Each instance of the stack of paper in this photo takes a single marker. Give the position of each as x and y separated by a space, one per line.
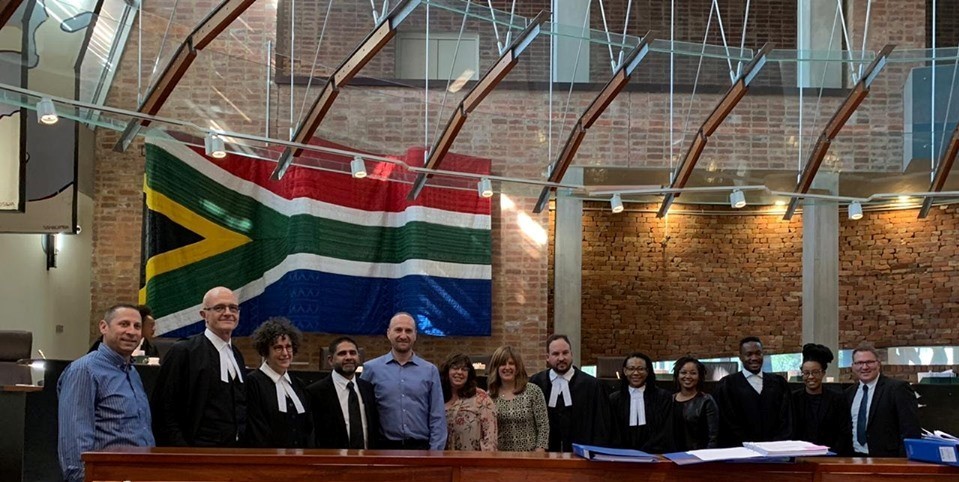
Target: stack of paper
787 448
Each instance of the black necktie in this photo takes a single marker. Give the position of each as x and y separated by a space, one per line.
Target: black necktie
863 415
356 419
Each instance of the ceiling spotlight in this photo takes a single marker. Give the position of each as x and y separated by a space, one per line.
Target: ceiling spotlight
780 203
358 167
855 210
903 199
737 199
47 112
214 146
616 203
484 187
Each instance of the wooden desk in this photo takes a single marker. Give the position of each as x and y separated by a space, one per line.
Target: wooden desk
255 465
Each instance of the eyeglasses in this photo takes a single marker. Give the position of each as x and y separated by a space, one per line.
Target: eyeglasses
634 369
222 308
812 373
865 363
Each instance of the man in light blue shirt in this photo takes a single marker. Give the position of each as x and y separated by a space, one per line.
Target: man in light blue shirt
101 398
409 396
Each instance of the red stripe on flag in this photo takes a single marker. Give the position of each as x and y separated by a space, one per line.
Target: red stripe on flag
368 194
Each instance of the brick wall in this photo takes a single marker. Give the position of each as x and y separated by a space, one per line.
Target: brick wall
718 278
899 278
690 284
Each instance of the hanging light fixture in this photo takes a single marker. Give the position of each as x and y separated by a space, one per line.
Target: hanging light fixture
855 210
214 146
737 199
358 167
616 203
47 112
484 187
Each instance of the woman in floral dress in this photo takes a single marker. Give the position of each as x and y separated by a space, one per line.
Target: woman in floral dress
470 412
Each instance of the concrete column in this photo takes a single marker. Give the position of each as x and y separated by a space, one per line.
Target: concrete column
570 54
818 36
820 276
568 267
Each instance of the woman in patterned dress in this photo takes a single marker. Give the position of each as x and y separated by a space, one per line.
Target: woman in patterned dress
470 412
520 406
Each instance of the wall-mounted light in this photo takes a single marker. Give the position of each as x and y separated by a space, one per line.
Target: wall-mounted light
358 167
51 243
616 203
855 210
214 146
484 187
47 112
737 199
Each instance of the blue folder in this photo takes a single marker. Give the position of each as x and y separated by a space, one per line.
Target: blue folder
935 450
609 454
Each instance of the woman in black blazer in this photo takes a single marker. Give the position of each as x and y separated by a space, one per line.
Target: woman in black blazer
695 414
820 415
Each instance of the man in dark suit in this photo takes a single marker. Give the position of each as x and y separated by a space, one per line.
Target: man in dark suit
336 409
199 399
884 411
754 406
576 402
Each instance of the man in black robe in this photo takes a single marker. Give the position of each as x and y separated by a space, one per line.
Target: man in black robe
754 406
577 403
199 399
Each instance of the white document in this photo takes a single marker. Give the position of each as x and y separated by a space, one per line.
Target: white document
735 453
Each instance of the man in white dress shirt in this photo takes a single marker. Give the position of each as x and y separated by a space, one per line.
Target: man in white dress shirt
343 404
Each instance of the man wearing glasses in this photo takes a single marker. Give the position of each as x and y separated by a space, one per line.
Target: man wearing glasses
884 411
200 399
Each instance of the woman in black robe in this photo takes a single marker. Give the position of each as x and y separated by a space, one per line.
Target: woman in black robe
277 410
647 433
820 415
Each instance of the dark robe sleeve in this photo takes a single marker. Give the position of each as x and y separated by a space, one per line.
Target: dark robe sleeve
731 430
601 426
907 412
169 403
258 432
785 430
843 441
617 435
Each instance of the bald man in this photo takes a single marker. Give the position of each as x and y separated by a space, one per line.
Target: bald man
200 399
409 397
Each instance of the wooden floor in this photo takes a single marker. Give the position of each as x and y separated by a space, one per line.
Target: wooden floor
188 464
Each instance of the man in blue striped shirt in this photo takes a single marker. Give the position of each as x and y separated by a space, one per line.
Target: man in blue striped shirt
101 398
409 396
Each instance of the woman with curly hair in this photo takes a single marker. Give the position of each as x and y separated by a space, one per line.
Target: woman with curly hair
277 410
470 412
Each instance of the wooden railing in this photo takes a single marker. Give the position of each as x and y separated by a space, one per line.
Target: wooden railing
256 465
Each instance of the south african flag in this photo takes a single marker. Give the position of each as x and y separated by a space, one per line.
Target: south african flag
331 253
